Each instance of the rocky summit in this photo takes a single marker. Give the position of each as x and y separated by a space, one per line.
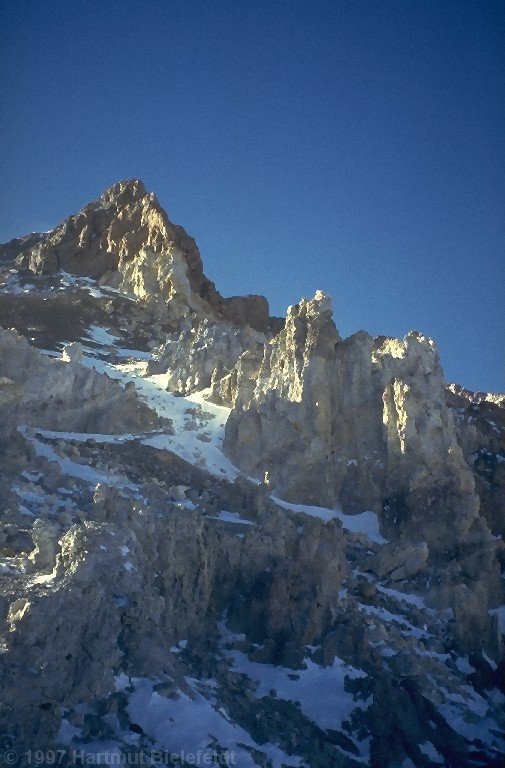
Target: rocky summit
233 539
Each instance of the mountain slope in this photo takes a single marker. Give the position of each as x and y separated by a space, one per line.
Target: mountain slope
230 539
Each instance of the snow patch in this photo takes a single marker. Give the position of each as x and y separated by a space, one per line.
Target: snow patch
230 517
101 336
187 724
404 597
366 523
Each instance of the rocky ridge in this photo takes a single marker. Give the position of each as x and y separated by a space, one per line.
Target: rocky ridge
146 580
361 422
126 240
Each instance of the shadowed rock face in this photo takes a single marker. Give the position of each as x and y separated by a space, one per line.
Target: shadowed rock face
480 423
64 395
247 310
177 577
126 239
11 250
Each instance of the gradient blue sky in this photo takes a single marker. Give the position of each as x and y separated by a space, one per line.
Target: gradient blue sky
353 146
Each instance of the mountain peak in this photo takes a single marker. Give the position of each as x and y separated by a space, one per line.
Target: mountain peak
126 238
128 189
197 492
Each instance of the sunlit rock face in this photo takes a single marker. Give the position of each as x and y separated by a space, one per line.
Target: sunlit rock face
126 239
362 422
195 358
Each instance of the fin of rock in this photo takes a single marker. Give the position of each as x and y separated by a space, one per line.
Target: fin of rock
361 421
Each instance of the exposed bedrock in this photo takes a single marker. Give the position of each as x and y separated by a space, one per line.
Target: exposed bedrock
11 250
64 395
121 559
362 422
118 589
126 240
195 358
480 424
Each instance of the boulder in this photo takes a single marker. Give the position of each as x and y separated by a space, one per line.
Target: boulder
72 353
399 561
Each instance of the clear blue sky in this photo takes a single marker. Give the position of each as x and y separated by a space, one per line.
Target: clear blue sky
352 146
